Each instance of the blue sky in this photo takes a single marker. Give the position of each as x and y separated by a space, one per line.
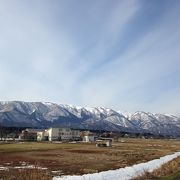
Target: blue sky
122 54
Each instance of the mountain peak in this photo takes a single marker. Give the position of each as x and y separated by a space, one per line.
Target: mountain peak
43 114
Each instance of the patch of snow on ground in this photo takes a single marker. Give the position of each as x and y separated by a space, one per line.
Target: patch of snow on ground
3 168
126 173
29 167
6 168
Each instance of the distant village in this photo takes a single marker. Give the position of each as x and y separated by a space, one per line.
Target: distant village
67 134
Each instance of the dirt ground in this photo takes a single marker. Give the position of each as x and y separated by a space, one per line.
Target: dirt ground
81 158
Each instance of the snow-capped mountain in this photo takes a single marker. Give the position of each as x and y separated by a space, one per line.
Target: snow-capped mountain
45 114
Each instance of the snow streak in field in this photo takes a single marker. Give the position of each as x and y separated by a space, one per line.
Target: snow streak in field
126 173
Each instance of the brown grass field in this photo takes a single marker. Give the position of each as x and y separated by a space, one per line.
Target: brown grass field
79 158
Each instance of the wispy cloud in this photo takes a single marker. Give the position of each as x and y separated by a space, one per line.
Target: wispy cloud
120 54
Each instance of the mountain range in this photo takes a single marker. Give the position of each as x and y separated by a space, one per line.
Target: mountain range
45 114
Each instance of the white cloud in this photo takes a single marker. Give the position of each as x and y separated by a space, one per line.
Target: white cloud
59 52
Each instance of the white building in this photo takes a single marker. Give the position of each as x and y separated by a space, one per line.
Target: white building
89 138
43 135
58 134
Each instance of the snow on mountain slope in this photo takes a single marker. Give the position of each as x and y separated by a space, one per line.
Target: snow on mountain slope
156 123
143 119
41 114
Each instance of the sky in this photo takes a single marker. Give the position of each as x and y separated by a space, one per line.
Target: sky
121 54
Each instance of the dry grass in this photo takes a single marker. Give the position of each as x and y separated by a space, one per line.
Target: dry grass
84 158
25 174
168 171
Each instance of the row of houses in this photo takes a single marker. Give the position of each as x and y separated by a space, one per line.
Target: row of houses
57 134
